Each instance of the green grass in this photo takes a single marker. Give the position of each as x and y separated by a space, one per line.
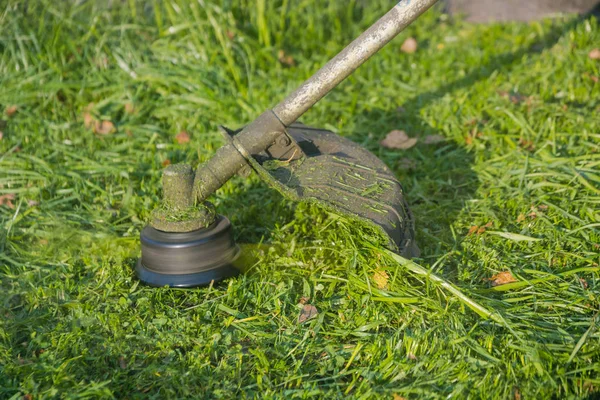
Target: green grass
520 111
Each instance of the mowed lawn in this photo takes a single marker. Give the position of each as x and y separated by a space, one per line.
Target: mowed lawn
98 96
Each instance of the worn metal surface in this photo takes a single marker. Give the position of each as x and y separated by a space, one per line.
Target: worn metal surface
178 211
339 175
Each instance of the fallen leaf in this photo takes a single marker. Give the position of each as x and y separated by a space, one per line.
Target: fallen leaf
594 54
381 278
473 229
104 127
441 46
521 218
398 397
129 109
88 120
1 135
122 363
6 200
166 163
398 140
483 228
434 139
412 357
304 300
33 203
230 35
28 396
10 111
182 137
595 79
285 59
583 283
502 278
526 144
409 46
308 311
517 393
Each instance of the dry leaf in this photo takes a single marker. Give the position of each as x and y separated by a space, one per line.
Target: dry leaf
583 283
398 397
526 144
517 393
521 218
166 163
285 59
6 200
88 120
409 46
129 109
230 35
434 139
412 357
10 111
381 278
594 54
182 137
304 300
28 396
441 46
308 311
398 140
502 278
104 127
473 229
122 363
33 203
1 135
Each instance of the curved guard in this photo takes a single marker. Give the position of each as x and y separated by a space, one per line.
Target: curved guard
339 175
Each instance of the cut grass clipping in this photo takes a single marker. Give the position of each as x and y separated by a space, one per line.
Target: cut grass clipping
97 97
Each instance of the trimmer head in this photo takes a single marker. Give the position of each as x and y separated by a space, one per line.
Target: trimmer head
188 259
187 244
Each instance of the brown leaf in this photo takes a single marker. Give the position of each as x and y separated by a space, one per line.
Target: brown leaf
166 163
33 203
6 200
434 139
517 393
104 127
10 111
285 59
88 120
398 140
304 300
308 311
521 218
381 278
230 35
129 108
412 357
473 229
122 363
583 283
594 54
28 396
182 137
409 46
502 278
526 144
398 397
1 135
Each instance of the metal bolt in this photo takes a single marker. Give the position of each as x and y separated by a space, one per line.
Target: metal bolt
178 186
283 141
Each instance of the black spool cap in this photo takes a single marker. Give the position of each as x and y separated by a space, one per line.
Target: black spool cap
189 259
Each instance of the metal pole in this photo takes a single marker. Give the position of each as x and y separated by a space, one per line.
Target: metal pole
352 57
